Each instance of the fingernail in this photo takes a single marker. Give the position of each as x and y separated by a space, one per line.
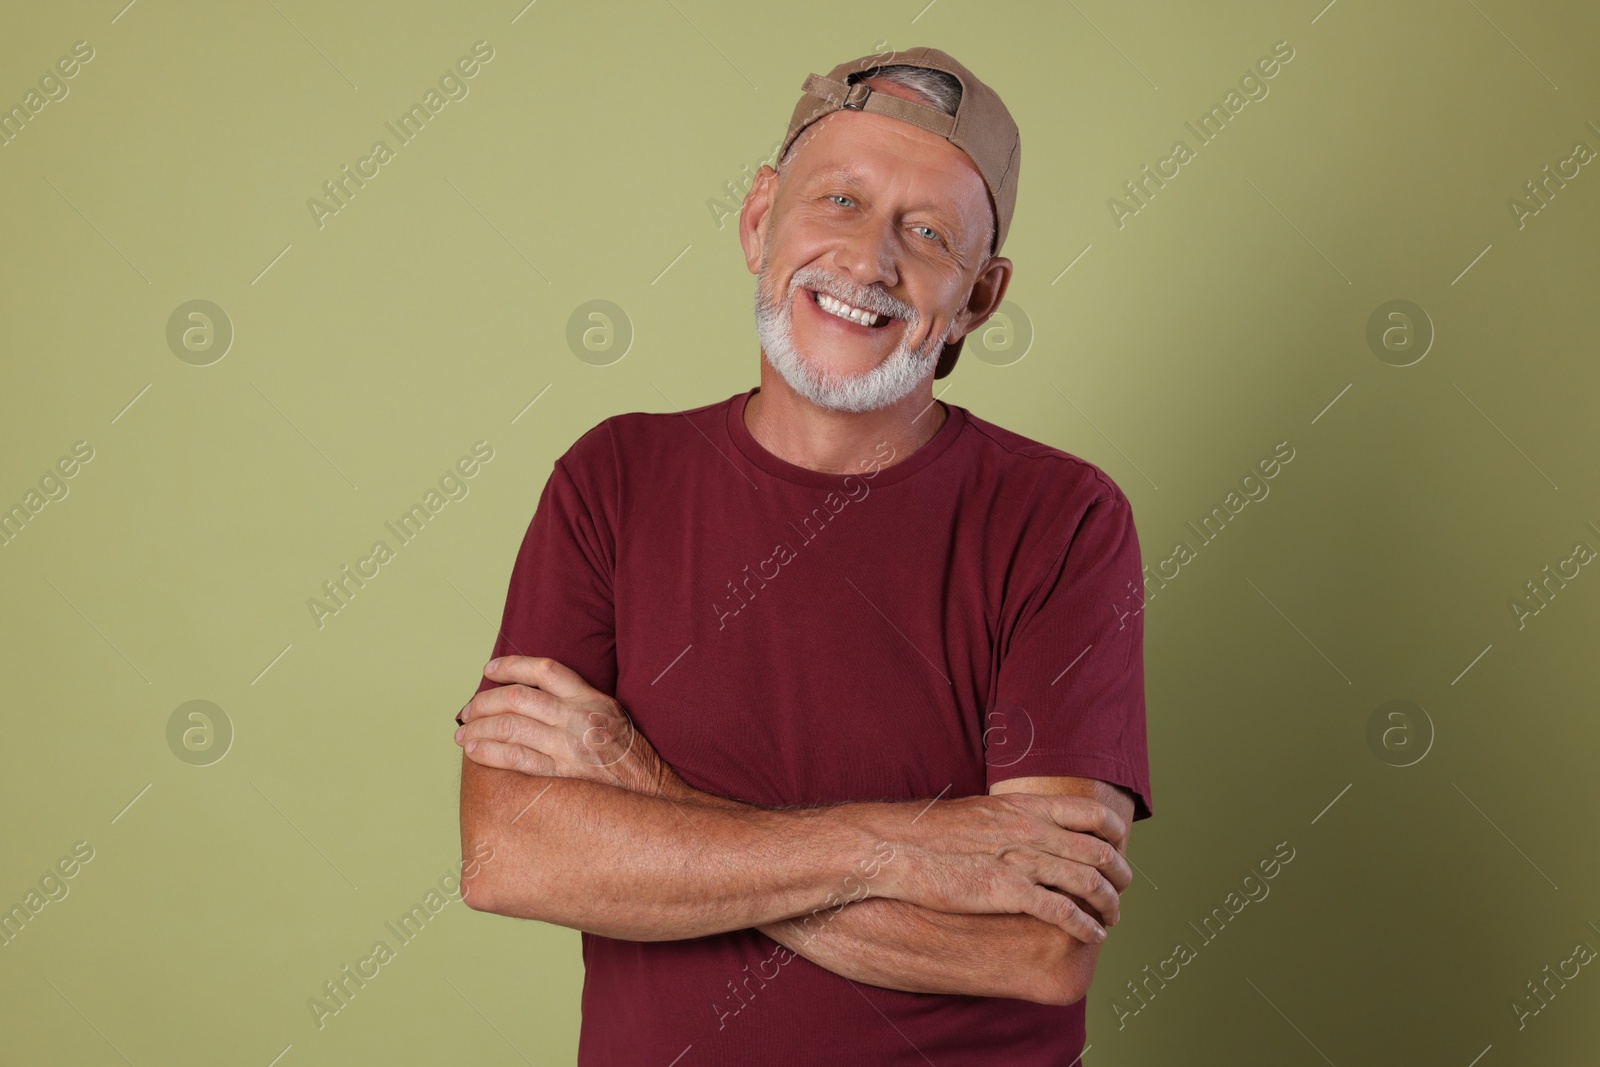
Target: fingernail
472 745
460 732
491 666
1100 933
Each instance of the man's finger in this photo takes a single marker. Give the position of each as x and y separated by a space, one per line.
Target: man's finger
1082 882
1082 814
518 699
1088 849
541 672
508 757
1059 909
1094 852
514 730
1087 816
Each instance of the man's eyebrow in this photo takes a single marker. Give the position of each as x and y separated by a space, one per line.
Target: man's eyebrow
950 218
836 173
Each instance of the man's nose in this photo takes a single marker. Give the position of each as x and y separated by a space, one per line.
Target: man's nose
867 253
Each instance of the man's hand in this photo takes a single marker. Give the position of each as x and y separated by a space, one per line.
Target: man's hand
1003 853
547 721
969 855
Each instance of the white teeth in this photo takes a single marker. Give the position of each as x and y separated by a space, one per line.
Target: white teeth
845 311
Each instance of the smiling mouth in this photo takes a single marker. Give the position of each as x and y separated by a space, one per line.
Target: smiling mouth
840 310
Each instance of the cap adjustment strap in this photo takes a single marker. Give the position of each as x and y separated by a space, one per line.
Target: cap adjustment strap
860 97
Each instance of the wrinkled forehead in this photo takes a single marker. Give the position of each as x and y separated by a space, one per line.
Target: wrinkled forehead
882 154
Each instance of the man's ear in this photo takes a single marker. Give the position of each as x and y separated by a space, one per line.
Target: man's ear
754 215
987 293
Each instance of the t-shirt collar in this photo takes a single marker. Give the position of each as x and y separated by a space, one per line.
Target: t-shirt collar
903 466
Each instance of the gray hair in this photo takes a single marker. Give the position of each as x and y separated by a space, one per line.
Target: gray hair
935 88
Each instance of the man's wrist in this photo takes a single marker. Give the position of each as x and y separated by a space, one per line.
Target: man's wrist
660 780
882 828
676 789
854 831
847 833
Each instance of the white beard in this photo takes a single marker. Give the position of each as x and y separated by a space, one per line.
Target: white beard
892 380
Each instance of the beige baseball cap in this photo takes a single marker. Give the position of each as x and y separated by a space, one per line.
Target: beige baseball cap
981 127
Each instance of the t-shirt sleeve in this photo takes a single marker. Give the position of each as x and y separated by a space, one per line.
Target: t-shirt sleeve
558 602
1069 699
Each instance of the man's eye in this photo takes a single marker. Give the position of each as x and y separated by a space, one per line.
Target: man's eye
933 235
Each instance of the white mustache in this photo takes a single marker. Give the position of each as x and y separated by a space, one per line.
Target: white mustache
867 300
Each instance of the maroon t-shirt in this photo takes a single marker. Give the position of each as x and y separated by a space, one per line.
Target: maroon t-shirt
927 627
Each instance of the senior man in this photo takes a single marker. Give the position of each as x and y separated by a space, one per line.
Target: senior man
820 710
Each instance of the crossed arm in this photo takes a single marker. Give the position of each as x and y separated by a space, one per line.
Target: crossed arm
604 837
900 945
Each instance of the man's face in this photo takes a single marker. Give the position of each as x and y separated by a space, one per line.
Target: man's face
886 217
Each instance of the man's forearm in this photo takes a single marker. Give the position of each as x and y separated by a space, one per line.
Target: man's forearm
899 945
645 868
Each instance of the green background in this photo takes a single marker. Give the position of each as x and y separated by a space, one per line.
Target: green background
1228 315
